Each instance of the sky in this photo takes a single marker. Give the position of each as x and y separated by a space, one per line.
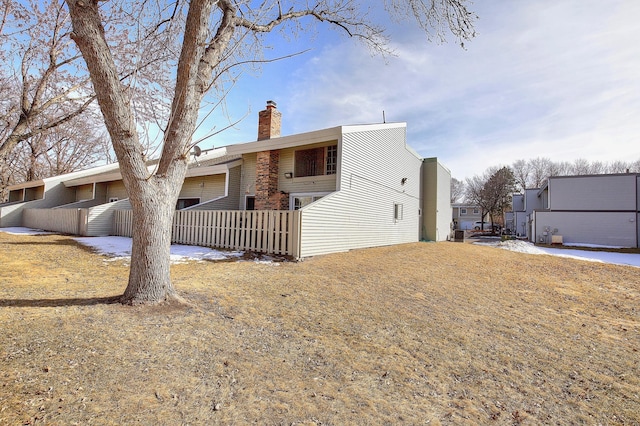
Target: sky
119 248
551 78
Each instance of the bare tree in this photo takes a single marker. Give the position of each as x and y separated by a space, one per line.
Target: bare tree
534 173
522 173
541 169
217 37
562 168
64 149
492 191
47 87
7 175
44 83
457 190
475 192
499 190
618 167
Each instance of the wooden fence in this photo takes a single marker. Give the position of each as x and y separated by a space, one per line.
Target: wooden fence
66 221
264 231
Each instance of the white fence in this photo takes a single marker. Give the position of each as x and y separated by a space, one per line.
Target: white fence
265 231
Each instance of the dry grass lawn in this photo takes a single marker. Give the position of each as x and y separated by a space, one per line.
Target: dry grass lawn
422 333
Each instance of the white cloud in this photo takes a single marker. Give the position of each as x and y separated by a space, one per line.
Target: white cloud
554 79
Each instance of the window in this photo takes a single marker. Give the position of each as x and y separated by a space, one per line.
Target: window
332 159
316 161
476 211
397 212
183 203
250 202
463 211
298 201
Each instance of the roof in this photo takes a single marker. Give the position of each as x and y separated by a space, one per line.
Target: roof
195 169
308 138
87 172
224 157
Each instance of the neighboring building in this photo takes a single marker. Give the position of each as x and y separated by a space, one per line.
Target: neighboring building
517 221
355 186
464 215
436 198
594 209
43 193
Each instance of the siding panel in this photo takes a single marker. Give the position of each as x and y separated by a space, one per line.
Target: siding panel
361 214
100 218
117 190
602 228
205 188
598 193
229 202
248 183
84 192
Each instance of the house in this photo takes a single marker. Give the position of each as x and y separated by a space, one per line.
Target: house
464 215
522 206
591 209
43 194
353 186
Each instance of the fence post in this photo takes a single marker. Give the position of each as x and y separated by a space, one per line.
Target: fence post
83 222
297 231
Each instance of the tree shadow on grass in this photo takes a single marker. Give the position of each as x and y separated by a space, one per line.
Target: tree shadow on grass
58 242
55 303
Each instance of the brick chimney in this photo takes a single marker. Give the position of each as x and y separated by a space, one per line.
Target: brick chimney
268 196
269 122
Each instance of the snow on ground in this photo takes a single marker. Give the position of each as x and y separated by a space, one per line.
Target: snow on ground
19 230
632 259
120 248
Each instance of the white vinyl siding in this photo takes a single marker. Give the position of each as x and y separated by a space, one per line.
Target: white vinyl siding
371 165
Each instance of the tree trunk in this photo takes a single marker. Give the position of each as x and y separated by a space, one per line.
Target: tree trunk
152 196
149 277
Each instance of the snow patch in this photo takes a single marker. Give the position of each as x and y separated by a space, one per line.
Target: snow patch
120 248
631 259
19 230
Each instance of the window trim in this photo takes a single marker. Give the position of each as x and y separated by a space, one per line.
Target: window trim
293 196
398 212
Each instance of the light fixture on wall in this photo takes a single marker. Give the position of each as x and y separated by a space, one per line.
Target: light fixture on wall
288 175
403 181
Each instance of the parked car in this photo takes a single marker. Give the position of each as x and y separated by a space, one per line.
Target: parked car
485 226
